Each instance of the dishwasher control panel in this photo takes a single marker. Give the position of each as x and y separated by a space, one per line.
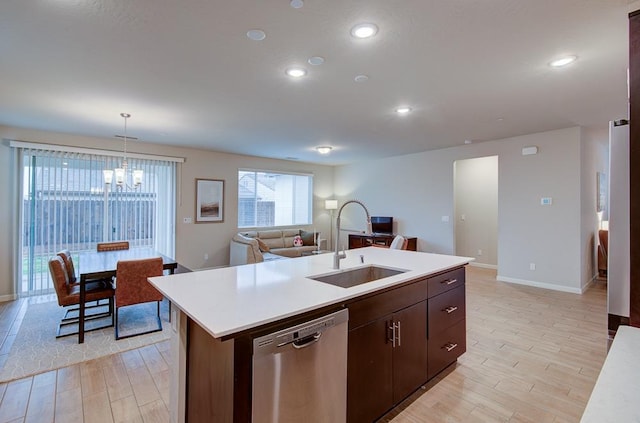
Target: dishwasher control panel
302 331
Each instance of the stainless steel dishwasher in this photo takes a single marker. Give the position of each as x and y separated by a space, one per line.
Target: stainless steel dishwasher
300 373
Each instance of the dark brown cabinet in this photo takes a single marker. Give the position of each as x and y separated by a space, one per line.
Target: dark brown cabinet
359 241
446 320
387 361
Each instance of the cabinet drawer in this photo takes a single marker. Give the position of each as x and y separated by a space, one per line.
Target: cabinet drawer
445 281
446 309
445 347
374 307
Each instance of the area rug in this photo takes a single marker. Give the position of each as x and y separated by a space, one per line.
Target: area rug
36 349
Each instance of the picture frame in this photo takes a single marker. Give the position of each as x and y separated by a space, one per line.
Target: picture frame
601 191
209 200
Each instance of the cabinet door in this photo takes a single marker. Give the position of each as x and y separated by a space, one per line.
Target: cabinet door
410 352
355 241
369 378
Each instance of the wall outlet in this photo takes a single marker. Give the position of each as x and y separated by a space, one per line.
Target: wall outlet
186 220
206 256
479 252
445 218
532 266
546 201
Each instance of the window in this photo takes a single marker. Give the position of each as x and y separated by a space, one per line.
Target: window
66 205
268 199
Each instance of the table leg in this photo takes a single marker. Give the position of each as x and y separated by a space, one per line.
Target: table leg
81 311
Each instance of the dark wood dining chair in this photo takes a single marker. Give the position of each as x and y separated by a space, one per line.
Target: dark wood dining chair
112 246
133 288
69 295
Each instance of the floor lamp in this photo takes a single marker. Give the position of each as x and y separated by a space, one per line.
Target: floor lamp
331 205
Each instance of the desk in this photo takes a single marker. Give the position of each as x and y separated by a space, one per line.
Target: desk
93 265
363 240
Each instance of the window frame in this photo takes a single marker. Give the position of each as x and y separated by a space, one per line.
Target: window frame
255 225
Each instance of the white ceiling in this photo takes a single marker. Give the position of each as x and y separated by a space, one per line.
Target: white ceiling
188 75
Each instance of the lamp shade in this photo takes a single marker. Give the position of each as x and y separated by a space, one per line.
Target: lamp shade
120 175
108 176
331 204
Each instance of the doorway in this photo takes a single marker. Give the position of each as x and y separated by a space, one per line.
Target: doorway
475 186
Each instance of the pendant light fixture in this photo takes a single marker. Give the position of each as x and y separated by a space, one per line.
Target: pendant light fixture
121 172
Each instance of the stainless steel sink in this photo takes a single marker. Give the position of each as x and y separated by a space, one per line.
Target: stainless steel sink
352 277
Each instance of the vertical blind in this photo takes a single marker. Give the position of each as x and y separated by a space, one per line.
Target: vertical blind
66 205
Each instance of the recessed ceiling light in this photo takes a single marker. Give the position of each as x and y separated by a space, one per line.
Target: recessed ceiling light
324 149
296 72
564 61
296 4
361 78
364 30
403 110
316 60
256 34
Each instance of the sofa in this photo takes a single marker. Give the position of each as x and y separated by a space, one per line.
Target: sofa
274 244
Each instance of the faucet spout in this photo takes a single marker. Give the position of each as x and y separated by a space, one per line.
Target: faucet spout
337 256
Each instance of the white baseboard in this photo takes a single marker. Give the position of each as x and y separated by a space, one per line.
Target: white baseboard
539 284
10 297
483 265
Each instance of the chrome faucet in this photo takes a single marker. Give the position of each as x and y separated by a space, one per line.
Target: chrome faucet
337 256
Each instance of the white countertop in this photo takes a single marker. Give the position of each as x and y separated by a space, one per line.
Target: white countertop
228 300
616 396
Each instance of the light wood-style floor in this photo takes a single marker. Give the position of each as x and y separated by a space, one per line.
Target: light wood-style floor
533 355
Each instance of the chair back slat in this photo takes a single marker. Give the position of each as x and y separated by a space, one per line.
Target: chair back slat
60 278
112 246
68 264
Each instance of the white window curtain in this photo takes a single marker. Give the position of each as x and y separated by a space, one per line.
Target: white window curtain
66 205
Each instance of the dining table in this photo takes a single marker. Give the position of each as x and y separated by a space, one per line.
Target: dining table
93 265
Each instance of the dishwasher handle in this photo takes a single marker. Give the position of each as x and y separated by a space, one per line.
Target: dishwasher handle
307 341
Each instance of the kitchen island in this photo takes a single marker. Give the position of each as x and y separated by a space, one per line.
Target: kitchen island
217 313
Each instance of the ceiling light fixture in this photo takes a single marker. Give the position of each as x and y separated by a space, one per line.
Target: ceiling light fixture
364 30
316 60
256 34
361 78
403 110
564 61
121 172
296 72
324 149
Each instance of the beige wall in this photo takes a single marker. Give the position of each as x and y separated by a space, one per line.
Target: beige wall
193 241
417 190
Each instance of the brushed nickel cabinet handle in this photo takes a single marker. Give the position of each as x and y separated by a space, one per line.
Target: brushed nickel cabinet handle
449 281
399 333
392 328
450 347
450 309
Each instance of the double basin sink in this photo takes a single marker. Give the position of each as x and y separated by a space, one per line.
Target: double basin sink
353 277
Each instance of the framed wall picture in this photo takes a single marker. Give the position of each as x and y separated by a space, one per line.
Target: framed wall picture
601 188
209 200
